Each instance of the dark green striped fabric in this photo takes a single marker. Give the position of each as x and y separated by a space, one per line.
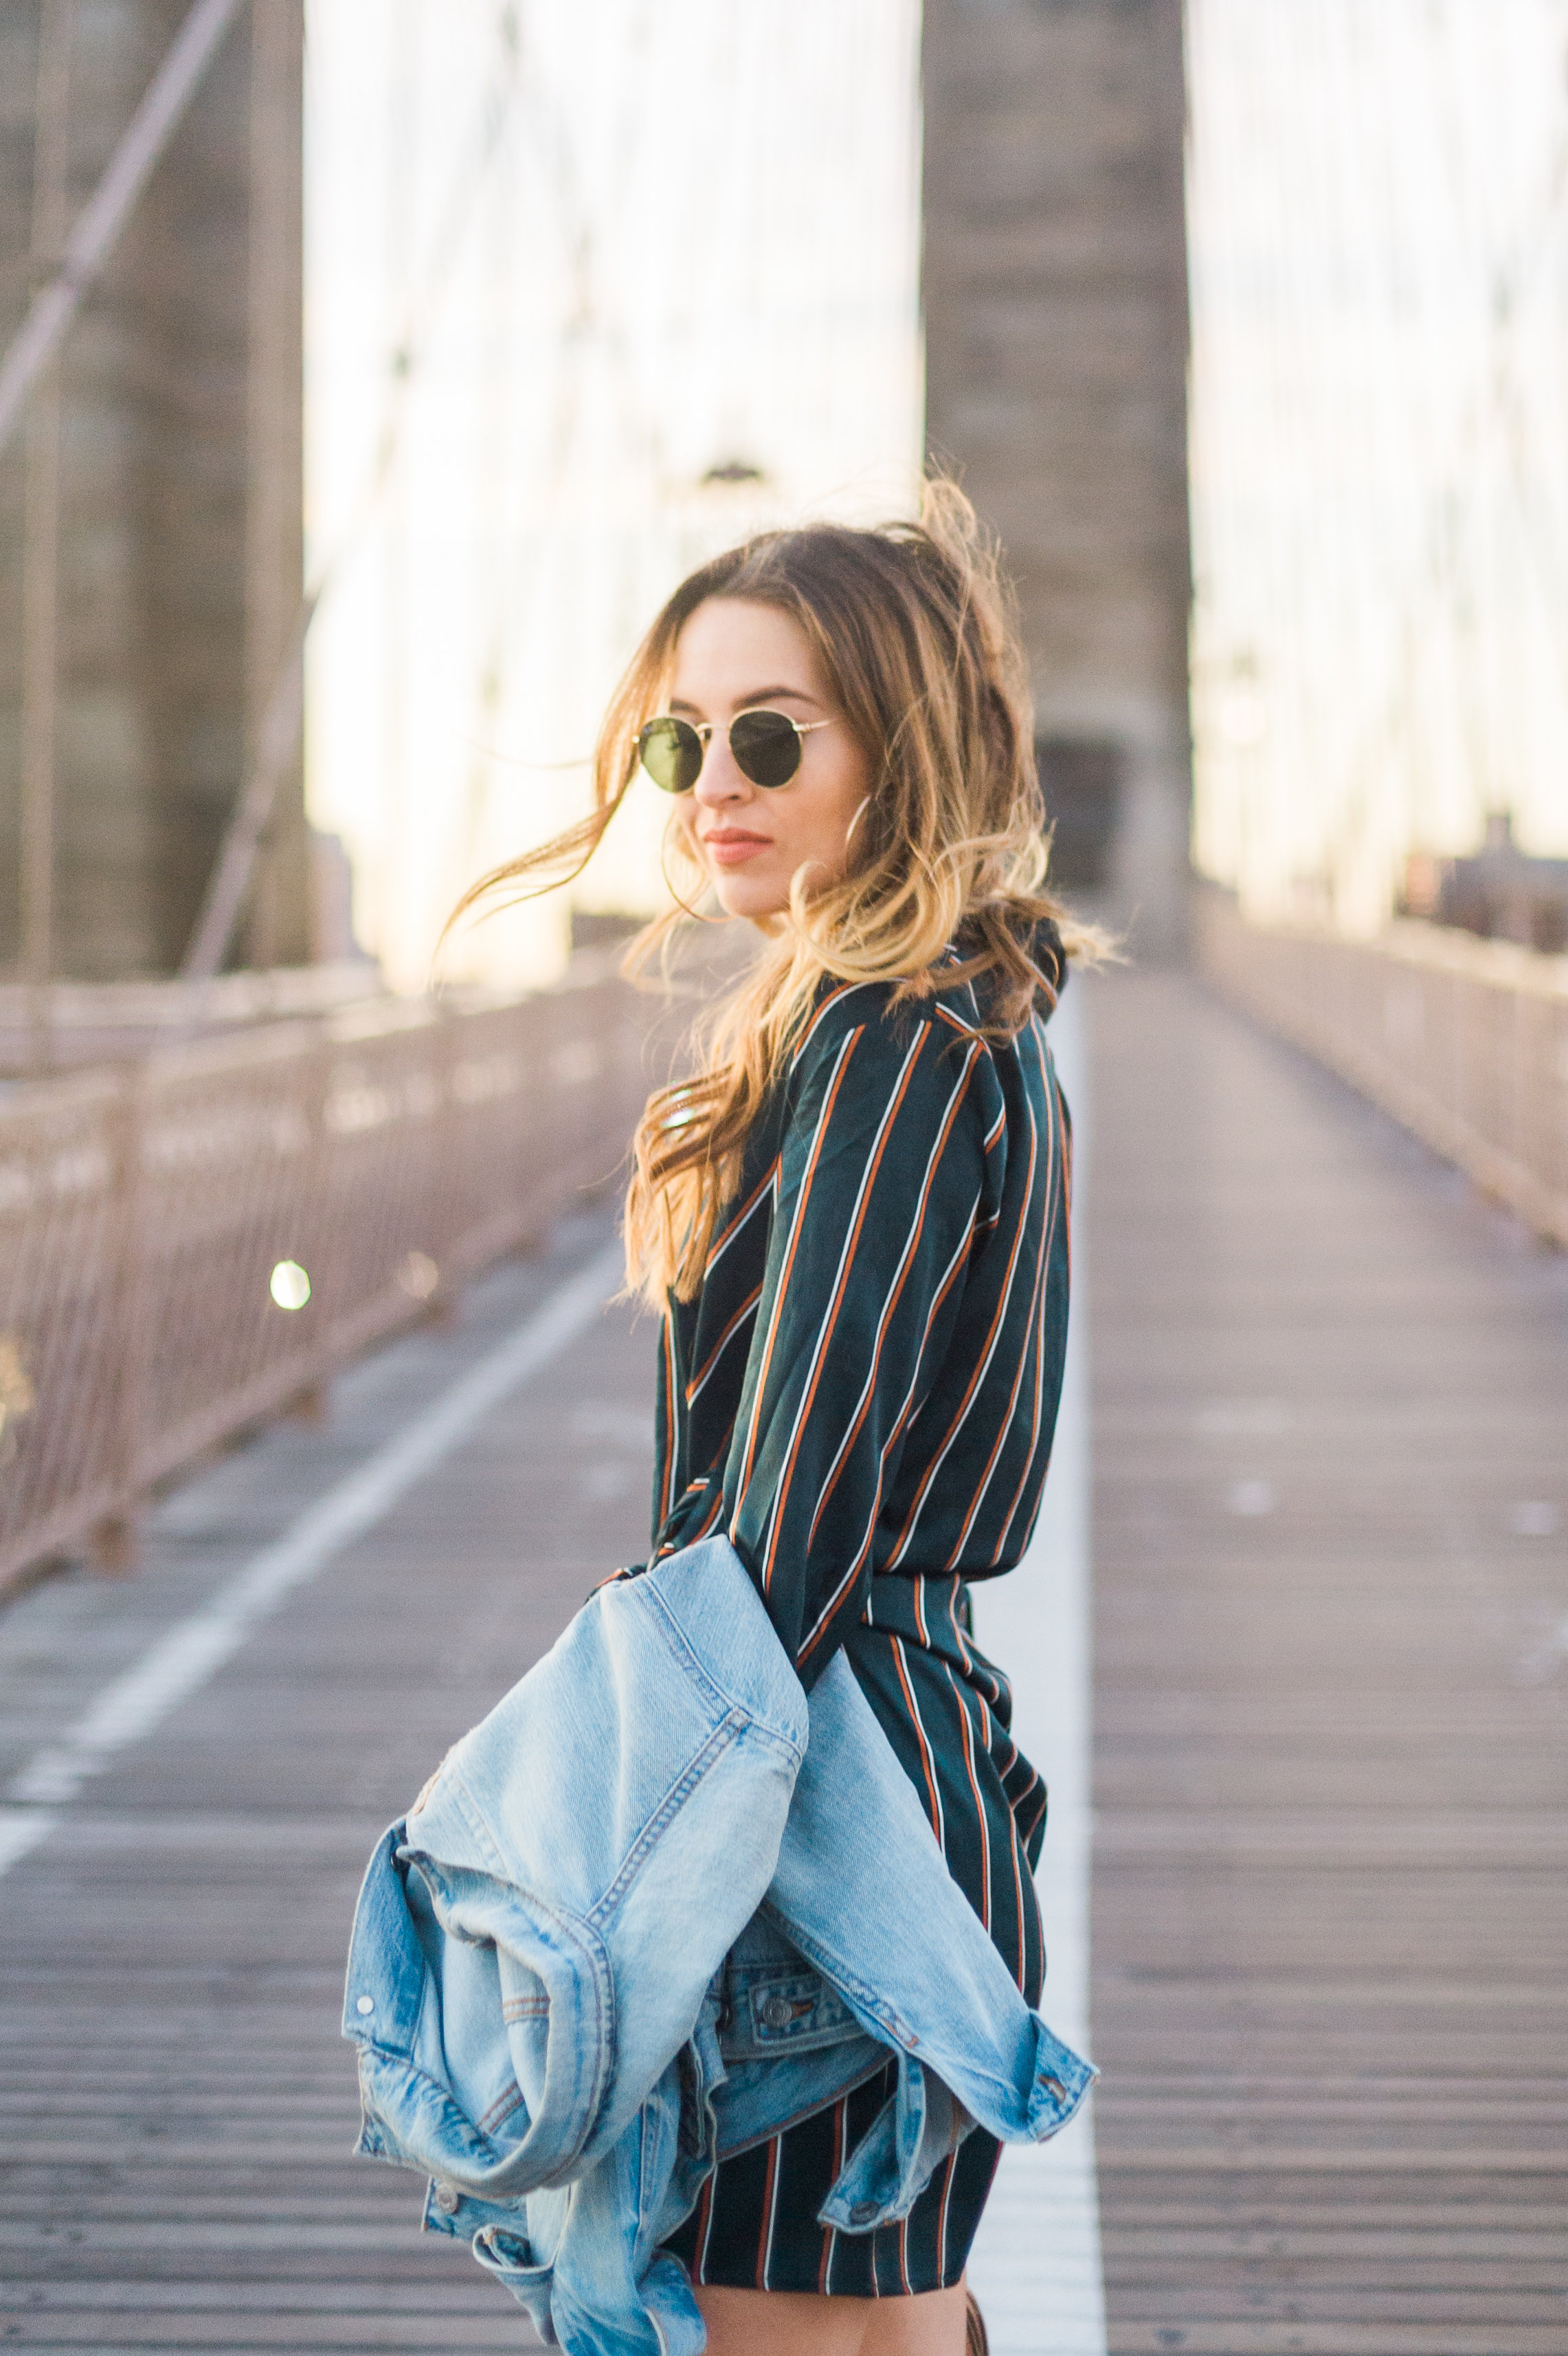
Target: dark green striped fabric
862 1396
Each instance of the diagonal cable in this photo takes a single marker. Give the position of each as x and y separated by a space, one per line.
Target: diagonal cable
277 736
97 231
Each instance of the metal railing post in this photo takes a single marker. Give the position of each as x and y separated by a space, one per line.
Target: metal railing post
113 1539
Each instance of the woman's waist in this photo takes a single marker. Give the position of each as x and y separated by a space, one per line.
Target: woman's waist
926 1608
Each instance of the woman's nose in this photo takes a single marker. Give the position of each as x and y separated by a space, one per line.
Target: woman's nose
721 781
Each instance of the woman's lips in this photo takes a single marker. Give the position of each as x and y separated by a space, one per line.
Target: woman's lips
734 849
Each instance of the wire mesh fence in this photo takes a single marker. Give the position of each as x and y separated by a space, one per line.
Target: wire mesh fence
1464 1041
190 1241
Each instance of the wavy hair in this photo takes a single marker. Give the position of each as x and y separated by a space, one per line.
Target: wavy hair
914 627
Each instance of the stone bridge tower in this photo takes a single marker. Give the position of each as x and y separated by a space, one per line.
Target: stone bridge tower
150 511
1056 319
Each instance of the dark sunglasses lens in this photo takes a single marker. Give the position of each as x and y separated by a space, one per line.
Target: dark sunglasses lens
766 745
671 752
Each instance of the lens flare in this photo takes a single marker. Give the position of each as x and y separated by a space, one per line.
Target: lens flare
418 1275
290 1286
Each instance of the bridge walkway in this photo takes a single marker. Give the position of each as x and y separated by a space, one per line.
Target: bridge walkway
1329 1392
1330 1920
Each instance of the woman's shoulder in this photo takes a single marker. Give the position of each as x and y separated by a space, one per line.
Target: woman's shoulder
957 1013
865 1044
881 1023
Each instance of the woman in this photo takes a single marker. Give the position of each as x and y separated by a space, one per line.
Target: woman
854 1221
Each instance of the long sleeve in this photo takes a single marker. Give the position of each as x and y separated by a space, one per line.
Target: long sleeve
883 1187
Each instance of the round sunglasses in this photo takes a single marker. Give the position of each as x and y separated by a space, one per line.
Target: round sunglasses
767 747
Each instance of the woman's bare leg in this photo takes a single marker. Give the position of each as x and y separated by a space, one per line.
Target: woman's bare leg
798 2323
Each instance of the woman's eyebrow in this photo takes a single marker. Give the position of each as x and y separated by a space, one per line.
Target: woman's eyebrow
758 697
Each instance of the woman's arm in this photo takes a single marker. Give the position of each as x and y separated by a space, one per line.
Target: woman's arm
883 1184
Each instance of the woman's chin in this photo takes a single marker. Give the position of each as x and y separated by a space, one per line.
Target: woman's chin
749 896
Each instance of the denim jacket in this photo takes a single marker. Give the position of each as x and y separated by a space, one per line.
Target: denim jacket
653 1909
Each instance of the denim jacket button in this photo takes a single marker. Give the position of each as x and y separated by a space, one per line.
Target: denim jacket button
445 2200
775 2012
863 2212
365 2004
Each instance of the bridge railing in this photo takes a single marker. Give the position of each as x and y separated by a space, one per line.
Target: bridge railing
1464 1041
154 1217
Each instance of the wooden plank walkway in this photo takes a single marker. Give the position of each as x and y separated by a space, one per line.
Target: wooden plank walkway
1329 1404
177 2107
1330 1412
176 2110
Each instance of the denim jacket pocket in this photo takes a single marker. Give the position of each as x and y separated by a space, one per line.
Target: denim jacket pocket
774 2011
774 2003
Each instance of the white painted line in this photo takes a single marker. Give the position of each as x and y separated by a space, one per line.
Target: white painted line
22 1829
1036 2266
197 1646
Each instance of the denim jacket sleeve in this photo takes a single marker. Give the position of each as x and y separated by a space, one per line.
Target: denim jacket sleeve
535 1943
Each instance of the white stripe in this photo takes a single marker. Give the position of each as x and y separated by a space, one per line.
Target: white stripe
1056 1202
768 1187
772 2210
902 1550
1035 2264
915 1228
197 1646
770 1333
830 1317
840 998
927 1750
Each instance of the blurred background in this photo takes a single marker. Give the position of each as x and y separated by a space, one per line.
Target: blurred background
1378 245
481 324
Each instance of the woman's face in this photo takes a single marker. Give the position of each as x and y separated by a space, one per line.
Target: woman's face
751 840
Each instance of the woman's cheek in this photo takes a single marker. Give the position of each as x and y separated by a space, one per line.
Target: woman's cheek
686 821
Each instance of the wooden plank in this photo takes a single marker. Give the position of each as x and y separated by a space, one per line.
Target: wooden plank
1330 1911
179 2107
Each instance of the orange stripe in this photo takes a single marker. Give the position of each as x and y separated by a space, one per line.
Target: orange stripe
904 1416
1037 1320
835 996
983 1364
710 1520
1018 1899
1005 1423
982 1367
671 1412
765 2252
927 1764
942 2221
824 1119
954 1022
704 2227
910 1249
1036 1326
705 1369
830 2237
1042 1296
803 1419
744 1212
824 1624
979 1803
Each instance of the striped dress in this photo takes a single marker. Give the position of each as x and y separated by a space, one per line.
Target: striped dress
862 1396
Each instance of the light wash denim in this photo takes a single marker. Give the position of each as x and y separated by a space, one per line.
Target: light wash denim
653 1910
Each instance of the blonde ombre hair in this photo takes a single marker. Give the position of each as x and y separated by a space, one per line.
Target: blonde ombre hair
913 629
